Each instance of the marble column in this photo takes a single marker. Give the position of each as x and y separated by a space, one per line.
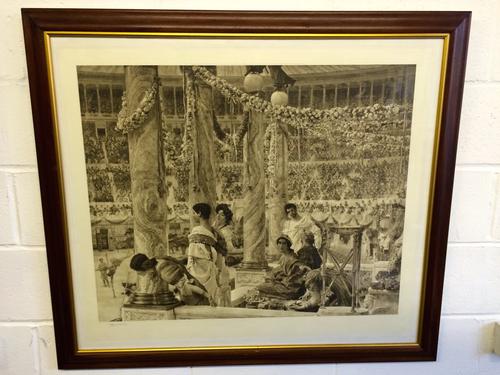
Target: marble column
203 170
254 216
148 197
279 193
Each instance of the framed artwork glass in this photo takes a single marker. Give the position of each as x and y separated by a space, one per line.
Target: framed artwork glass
245 187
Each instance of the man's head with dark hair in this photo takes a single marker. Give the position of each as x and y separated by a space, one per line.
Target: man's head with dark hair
291 210
141 263
203 210
309 238
226 211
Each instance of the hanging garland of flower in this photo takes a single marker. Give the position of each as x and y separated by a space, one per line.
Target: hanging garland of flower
326 206
179 155
104 210
185 158
186 155
125 122
231 92
271 153
352 162
304 117
166 137
243 128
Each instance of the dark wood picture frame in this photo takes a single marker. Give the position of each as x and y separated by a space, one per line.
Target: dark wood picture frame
38 22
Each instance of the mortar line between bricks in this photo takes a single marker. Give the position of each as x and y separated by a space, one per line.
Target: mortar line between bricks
14 247
479 167
27 323
478 82
482 316
9 81
469 243
12 168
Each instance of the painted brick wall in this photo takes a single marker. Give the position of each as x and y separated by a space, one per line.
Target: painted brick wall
472 287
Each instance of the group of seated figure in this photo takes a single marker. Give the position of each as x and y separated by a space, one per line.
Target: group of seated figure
204 279
296 277
296 280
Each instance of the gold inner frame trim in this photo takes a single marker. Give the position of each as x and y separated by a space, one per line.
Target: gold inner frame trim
250 347
247 35
439 110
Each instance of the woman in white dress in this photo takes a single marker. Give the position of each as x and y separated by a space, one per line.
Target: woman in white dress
206 258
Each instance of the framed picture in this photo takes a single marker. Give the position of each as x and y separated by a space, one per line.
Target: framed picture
245 187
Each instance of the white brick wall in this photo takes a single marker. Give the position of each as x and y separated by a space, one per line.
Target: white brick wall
8 219
29 208
17 350
17 142
471 302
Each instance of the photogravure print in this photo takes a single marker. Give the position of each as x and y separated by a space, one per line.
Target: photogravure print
246 191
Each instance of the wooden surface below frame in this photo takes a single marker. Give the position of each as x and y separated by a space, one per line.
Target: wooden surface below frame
38 21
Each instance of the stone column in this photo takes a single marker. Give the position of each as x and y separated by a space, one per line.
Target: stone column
254 216
279 194
148 198
203 170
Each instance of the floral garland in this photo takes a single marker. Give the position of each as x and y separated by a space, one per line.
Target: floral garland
240 133
272 157
179 155
344 119
186 155
330 205
362 162
106 209
95 168
305 117
126 123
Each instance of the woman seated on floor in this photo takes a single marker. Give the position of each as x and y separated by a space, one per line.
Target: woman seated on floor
285 281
